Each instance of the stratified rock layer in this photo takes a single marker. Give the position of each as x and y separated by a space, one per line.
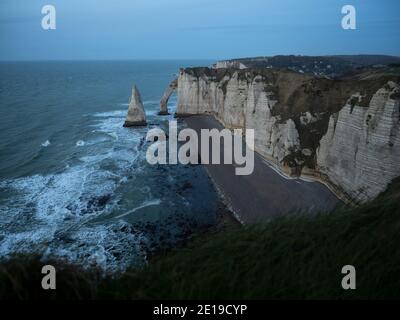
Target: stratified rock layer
361 150
345 133
136 115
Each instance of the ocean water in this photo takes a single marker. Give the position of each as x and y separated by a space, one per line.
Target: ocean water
74 183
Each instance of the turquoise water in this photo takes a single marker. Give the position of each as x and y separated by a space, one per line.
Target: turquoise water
73 182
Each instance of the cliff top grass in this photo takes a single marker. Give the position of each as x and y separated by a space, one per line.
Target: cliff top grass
293 257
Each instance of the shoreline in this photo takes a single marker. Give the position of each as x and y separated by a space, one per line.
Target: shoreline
225 220
279 194
224 199
312 176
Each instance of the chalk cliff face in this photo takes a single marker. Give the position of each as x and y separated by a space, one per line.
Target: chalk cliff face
343 132
229 64
361 149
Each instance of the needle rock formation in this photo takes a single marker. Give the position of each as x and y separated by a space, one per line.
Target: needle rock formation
136 115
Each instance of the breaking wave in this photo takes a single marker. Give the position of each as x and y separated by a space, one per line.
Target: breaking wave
46 143
51 214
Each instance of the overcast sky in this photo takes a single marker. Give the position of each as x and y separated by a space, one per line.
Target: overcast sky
191 29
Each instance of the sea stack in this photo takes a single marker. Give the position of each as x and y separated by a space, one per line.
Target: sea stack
136 115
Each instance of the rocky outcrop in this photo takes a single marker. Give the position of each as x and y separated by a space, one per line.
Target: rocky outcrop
136 115
229 64
361 150
330 130
167 94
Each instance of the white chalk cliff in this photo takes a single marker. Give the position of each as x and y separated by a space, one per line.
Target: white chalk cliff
229 64
361 150
345 133
136 115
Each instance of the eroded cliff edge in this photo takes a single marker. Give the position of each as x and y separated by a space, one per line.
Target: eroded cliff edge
342 132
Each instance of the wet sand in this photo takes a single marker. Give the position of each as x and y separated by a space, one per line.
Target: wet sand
265 193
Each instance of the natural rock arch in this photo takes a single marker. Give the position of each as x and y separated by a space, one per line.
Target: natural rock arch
167 94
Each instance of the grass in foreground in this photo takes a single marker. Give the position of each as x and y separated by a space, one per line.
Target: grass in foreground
296 257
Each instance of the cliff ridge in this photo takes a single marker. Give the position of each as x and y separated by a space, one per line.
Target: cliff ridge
342 132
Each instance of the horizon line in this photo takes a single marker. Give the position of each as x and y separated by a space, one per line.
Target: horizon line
192 59
116 59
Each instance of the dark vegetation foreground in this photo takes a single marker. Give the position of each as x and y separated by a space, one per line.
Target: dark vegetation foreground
296 257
